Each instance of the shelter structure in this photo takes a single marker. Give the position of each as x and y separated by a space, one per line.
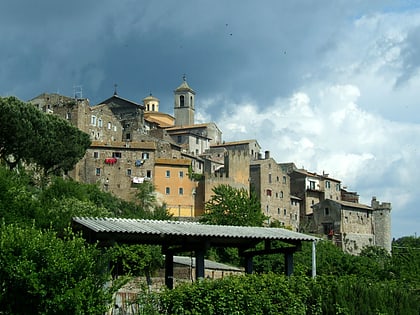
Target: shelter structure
177 237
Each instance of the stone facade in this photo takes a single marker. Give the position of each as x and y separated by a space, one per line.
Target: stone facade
272 185
352 226
118 166
184 108
312 188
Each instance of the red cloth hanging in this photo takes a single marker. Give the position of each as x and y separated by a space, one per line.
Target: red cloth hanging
111 161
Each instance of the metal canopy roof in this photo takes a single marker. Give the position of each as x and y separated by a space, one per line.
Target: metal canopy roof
180 233
178 236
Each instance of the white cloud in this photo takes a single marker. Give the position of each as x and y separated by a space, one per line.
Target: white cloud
370 154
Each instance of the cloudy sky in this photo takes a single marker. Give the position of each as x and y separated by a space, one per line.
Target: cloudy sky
330 85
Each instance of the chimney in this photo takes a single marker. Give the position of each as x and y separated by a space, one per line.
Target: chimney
267 155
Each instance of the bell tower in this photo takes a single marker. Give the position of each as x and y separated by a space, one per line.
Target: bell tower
184 104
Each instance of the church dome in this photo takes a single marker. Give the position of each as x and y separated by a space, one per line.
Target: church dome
150 98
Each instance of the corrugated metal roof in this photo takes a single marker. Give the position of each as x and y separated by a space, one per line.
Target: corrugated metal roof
187 229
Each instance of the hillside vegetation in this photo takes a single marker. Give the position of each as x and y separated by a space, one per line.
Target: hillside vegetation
47 269
54 271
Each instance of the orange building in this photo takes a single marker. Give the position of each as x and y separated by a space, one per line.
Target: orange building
173 183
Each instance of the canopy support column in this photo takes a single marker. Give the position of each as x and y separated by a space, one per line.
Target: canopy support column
288 263
169 269
199 264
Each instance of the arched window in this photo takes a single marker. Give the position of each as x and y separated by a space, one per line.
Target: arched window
181 101
153 107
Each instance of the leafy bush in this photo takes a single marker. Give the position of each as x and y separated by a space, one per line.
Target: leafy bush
42 274
274 294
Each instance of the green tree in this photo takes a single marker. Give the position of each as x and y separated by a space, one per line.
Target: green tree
18 197
60 145
146 196
231 206
406 260
27 134
19 123
43 274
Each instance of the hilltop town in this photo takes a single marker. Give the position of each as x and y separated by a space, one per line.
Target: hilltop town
134 142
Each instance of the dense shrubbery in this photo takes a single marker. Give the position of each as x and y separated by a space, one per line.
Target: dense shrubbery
43 274
276 294
45 270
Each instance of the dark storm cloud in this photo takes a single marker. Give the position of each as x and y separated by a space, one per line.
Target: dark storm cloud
261 50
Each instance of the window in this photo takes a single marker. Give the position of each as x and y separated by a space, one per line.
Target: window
312 185
284 179
167 190
100 123
181 190
337 187
109 125
277 194
278 179
68 116
267 209
326 211
181 174
278 210
285 212
281 194
96 155
145 155
327 184
98 171
115 128
182 101
179 139
128 136
269 178
93 120
116 155
129 172
269 192
149 174
196 140
168 173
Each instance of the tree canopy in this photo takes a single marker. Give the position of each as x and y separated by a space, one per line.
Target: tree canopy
31 136
232 206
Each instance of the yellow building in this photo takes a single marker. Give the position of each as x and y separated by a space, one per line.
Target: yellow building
174 186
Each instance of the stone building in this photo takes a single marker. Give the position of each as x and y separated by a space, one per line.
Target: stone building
135 142
312 188
184 108
272 185
353 226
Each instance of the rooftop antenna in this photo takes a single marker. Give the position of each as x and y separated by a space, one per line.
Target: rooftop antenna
77 89
115 88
